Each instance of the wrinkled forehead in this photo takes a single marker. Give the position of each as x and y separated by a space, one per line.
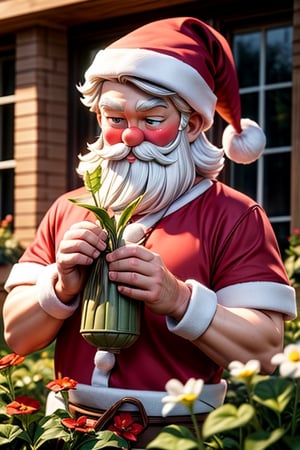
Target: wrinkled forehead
115 95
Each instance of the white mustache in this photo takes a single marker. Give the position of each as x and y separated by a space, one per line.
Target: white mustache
160 182
146 151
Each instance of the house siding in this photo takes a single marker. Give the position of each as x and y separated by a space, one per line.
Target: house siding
40 124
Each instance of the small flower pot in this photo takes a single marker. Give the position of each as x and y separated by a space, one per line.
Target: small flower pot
110 321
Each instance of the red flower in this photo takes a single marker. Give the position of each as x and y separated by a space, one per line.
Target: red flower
62 384
82 424
125 427
23 405
6 221
10 360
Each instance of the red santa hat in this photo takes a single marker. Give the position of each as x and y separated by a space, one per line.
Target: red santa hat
192 59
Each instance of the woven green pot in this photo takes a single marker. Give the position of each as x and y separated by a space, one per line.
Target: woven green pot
110 321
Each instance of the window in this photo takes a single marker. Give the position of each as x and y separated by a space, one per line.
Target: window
264 64
7 99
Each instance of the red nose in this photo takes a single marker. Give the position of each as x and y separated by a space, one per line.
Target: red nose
132 136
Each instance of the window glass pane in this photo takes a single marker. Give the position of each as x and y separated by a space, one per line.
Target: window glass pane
7 76
245 178
6 131
282 231
276 198
279 55
6 192
7 87
246 48
265 58
278 117
249 104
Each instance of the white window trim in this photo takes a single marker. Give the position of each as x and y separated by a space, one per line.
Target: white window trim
7 99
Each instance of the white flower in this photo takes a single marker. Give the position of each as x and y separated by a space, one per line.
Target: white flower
239 370
185 394
289 361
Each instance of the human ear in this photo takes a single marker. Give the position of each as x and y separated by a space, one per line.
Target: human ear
98 114
194 126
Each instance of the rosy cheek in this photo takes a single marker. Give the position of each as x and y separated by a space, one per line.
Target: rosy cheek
162 136
112 136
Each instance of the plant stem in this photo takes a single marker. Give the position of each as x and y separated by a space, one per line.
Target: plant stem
95 199
197 431
256 422
11 389
65 396
294 417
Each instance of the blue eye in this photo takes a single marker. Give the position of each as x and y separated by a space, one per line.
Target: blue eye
153 122
117 122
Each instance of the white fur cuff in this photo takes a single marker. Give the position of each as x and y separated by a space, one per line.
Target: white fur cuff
47 298
199 313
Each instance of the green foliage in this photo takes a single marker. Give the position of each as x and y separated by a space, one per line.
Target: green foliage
27 429
47 432
292 331
227 417
30 377
174 437
10 249
292 261
260 412
275 393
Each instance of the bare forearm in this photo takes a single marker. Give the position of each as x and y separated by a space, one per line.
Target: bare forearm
27 327
242 334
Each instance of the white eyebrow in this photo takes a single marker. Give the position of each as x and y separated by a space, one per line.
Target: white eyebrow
145 105
142 105
110 103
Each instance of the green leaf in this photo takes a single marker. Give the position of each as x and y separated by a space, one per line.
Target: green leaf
8 433
104 439
92 180
274 393
107 222
292 442
227 417
51 428
230 443
127 214
174 437
263 439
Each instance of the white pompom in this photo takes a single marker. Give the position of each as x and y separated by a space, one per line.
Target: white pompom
246 147
134 232
104 360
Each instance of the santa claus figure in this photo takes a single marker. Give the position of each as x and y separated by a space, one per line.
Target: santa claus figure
208 273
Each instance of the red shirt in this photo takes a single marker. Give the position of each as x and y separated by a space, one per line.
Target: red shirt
220 239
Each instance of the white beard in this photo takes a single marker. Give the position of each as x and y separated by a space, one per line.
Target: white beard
162 174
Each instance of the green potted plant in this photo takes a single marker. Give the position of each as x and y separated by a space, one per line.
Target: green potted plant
110 321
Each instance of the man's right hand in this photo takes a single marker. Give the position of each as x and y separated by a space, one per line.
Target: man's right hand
81 244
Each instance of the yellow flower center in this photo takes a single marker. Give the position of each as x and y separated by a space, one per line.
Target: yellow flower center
246 373
294 356
187 399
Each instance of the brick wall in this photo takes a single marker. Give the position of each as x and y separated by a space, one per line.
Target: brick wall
40 125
